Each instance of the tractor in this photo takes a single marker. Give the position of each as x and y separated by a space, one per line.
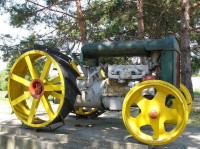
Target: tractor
45 85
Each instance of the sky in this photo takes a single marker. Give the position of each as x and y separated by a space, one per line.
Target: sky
19 33
5 28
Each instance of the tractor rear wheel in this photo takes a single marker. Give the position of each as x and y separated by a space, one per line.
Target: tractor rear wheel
35 79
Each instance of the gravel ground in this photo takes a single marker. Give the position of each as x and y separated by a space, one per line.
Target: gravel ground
110 121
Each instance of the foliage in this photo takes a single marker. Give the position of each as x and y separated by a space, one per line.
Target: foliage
105 20
3 79
195 65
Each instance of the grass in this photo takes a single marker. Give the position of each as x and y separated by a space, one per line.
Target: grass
197 93
194 117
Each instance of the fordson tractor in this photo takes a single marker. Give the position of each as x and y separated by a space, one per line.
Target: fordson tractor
155 105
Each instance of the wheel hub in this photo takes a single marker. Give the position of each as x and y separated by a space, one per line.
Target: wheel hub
153 114
36 88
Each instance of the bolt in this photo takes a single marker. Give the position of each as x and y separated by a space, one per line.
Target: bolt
153 114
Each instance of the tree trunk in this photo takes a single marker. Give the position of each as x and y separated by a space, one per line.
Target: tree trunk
81 22
186 72
140 19
140 22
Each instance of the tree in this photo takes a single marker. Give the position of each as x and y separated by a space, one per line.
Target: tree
81 22
186 69
195 36
140 22
105 20
185 46
140 19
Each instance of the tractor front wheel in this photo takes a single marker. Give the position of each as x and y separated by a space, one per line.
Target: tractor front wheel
156 118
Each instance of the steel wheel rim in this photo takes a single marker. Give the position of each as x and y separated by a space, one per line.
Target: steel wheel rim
159 136
187 96
18 92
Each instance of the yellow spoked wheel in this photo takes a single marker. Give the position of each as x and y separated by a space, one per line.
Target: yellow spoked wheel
149 107
84 111
90 113
187 96
31 90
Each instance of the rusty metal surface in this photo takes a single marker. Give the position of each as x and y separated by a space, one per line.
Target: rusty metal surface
116 89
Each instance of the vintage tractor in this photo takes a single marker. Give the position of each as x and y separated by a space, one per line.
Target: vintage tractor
155 106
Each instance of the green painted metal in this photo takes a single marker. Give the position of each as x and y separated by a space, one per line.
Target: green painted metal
168 66
169 43
168 47
128 48
114 49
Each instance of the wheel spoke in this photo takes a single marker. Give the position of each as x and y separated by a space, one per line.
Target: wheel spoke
20 80
47 106
142 102
57 95
20 98
55 80
141 120
171 115
46 69
158 128
53 88
160 98
33 110
31 68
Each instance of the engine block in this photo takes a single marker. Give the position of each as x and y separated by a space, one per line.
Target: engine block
127 72
108 93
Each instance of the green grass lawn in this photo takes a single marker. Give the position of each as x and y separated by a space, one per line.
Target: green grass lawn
197 93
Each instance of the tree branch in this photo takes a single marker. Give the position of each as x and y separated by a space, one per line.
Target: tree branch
42 36
195 29
194 6
49 8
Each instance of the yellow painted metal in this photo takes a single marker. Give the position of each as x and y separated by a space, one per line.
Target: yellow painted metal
35 112
187 96
85 111
74 66
81 110
103 74
158 133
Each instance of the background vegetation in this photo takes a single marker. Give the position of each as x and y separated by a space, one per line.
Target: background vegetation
74 22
